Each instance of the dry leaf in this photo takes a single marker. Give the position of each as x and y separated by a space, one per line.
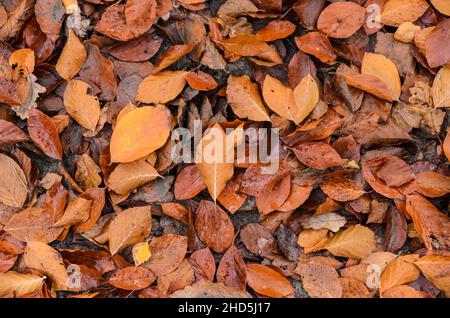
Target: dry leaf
161 87
22 61
356 241
189 183
245 99
406 32
129 227
87 173
268 282
128 176
13 183
403 291
32 224
395 12
384 69
400 271
232 270
77 211
442 6
436 269
370 84
276 29
206 289
212 159
330 221
168 251
432 184
320 280
139 133
43 258
84 108
341 19
441 89
72 57
19 284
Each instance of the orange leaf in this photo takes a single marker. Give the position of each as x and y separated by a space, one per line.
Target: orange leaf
268 282
341 19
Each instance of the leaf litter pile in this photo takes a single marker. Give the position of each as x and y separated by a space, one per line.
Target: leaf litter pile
93 204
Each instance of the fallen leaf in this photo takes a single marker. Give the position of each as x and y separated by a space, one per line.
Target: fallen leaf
128 228
132 278
330 221
400 271
384 69
268 282
23 61
341 189
32 224
406 32
441 91
84 108
170 56
232 270
203 264
318 45
128 176
13 183
437 44
435 268
72 57
201 81
176 211
442 6
356 241
139 133
140 15
432 184
19 284
370 84
213 226
87 173
177 280
318 155
206 289
44 134
258 239
141 253
189 183
353 288
341 19
168 251
320 280
43 258
276 29
77 211
395 12
161 87
245 99
403 291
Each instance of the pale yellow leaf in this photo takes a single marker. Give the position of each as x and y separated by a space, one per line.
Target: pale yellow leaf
355 242
141 253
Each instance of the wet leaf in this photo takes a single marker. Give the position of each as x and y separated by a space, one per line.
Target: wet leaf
128 228
170 56
341 19
395 12
267 281
232 270
189 183
203 264
201 81
168 251
318 45
318 155
274 30
432 184
44 134
132 278
206 289
341 189
128 176
139 133
258 239
356 241
140 15
19 284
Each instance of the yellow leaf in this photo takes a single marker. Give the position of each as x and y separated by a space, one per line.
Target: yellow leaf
211 160
72 57
139 133
245 99
43 258
129 227
141 253
128 176
441 88
380 66
406 32
84 108
356 242
19 284
162 87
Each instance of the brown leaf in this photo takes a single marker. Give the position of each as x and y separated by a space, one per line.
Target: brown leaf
132 278
353 288
268 282
128 228
320 280
113 23
396 231
250 45
432 184
341 19
176 211
203 264
245 99
341 189
97 196
230 197
276 29
370 84
369 170
170 56
32 224
206 289
441 91
44 134
299 194
72 57
19 284
395 172
43 258
403 291
137 50
201 81
177 280
395 12
274 195
189 183
318 155
140 15
100 261
168 251
356 241
49 16
330 221
13 183
87 174
128 176
435 268
139 133
232 270
213 226
257 239
77 211
318 45
432 225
